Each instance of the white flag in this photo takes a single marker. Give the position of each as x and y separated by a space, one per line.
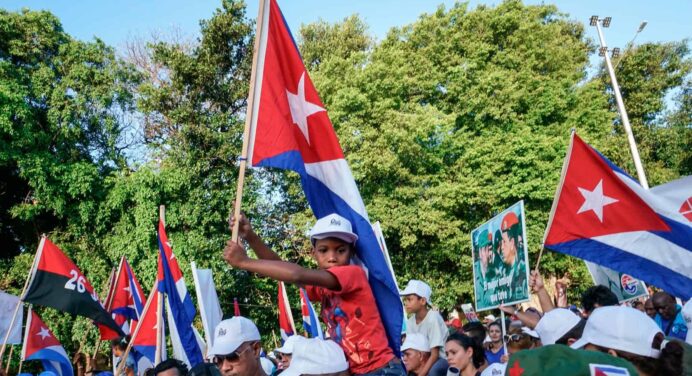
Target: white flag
8 303
208 301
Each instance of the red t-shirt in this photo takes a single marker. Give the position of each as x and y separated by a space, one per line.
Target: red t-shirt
353 320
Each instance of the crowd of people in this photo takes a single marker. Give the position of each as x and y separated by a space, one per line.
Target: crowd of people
647 339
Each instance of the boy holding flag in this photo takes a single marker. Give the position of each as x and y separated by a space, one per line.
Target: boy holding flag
348 304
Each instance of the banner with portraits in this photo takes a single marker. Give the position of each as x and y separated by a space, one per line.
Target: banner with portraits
501 259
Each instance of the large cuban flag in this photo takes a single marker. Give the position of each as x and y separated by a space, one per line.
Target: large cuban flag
181 311
290 129
603 215
41 344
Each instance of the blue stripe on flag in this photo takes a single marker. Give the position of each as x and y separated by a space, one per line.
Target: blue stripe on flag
650 272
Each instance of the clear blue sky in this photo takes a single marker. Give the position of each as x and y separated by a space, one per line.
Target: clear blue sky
116 21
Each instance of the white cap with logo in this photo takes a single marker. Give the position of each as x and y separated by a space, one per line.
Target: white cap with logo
231 333
316 356
555 324
416 287
620 328
416 341
333 226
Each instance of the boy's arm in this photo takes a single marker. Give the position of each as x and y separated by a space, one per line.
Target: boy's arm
246 232
434 355
279 270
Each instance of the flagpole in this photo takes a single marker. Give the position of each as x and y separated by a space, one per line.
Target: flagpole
109 303
563 173
159 307
9 360
136 332
20 302
248 122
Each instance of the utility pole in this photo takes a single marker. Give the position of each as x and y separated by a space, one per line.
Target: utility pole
605 22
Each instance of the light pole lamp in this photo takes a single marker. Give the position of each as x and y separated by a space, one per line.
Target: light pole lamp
603 51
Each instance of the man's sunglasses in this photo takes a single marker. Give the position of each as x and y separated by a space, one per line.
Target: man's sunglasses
232 357
513 337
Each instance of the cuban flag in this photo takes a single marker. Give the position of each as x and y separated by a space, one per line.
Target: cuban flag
310 321
290 129
181 311
145 341
41 344
603 215
607 370
286 325
128 296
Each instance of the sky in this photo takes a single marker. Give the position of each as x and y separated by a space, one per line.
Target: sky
117 21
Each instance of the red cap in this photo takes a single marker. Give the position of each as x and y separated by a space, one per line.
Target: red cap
509 220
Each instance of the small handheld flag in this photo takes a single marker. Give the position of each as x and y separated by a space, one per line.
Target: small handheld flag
310 321
58 283
286 323
41 344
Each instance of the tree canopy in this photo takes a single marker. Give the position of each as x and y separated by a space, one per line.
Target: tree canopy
445 122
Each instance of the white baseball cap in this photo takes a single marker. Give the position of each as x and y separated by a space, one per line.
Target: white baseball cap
416 341
333 226
316 356
416 287
231 333
289 344
556 323
530 332
267 365
620 328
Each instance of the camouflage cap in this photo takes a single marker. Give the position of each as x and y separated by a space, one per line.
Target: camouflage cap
484 238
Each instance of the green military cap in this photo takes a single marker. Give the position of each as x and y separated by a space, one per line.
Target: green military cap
564 361
484 238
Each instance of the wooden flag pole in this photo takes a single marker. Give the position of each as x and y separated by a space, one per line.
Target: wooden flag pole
136 332
109 302
248 122
504 330
21 297
9 360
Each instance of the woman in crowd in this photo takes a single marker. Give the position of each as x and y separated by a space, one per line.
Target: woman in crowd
495 348
464 354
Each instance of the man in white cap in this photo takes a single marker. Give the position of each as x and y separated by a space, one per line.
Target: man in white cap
237 347
316 356
627 333
416 352
286 351
560 326
427 322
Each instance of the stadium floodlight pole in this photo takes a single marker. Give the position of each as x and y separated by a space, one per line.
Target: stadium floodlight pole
595 21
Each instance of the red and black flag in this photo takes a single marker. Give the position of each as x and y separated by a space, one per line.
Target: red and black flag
57 282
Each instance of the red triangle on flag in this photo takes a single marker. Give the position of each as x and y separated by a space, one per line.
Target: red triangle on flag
593 201
290 115
37 336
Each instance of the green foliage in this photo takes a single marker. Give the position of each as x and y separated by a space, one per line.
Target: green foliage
445 122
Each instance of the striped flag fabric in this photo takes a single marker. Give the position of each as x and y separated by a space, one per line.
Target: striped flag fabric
289 129
181 310
286 325
311 322
41 344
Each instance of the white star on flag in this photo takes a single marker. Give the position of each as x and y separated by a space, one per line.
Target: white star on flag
595 200
127 288
43 333
301 108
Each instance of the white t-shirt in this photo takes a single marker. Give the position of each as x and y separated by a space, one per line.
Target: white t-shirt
687 315
433 327
495 369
